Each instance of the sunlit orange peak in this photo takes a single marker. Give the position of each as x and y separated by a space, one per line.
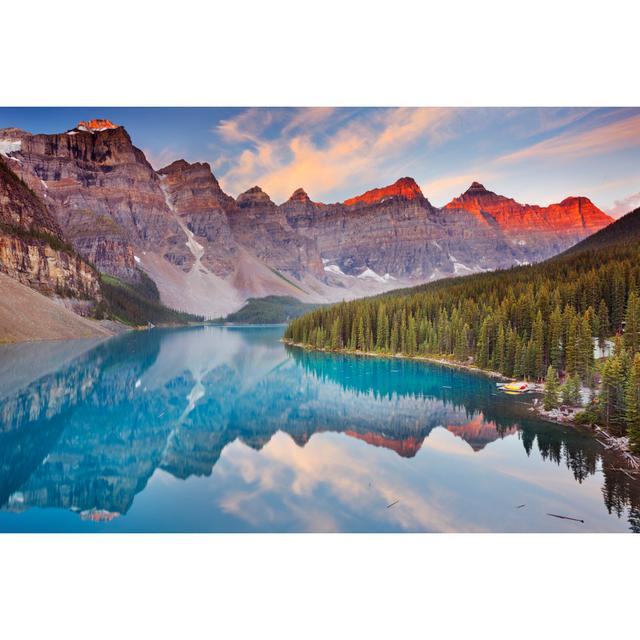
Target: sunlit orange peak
405 187
97 124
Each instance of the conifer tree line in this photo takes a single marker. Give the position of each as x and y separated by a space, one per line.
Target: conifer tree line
518 322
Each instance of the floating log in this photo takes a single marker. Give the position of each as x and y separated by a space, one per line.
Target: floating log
555 515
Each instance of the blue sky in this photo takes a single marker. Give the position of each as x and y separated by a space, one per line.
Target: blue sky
537 155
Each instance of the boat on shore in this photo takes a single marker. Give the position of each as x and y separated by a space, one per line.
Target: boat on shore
514 387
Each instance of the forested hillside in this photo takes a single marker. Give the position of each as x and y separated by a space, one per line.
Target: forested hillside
137 304
270 310
624 231
517 321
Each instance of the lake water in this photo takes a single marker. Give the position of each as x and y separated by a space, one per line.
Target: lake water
226 429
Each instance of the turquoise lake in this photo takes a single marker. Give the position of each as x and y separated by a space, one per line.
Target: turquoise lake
226 429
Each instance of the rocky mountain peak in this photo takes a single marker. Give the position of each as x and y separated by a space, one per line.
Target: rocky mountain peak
13 132
180 172
404 187
584 212
97 124
576 200
299 195
254 197
175 167
475 196
476 187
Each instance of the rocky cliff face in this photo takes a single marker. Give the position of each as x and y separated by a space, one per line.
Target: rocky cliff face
393 233
263 228
32 248
93 177
198 199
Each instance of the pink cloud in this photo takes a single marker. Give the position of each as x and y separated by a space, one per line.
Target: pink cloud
625 205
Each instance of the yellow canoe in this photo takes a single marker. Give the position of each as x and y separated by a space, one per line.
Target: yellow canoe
518 387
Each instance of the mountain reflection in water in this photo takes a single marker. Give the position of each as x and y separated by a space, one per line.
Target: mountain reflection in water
210 429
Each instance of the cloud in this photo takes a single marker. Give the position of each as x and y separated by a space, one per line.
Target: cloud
622 134
163 157
322 149
625 205
309 118
334 153
248 126
327 484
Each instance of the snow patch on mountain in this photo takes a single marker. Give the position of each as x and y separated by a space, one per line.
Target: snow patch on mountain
371 274
336 270
459 268
8 146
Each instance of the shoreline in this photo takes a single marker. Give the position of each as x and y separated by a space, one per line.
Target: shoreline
399 356
613 444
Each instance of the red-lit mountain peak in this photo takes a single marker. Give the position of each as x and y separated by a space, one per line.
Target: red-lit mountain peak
478 433
476 187
575 214
404 187
475 197
406 447
97 124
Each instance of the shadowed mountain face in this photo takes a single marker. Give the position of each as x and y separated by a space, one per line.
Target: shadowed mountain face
207 251
102 426
32 246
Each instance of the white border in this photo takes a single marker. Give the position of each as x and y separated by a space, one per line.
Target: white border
337 53
319 586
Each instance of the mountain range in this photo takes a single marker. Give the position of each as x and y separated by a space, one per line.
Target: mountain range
85 201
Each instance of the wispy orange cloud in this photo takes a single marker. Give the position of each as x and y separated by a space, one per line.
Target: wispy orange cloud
356 149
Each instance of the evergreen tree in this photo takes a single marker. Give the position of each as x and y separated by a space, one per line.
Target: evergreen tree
362 343
551 388
555 338
571 347
613 387
538 346
499 351
482 350
412 338
632 324
381 337
584 349
570 391
603 325
632 404
336 334
394 340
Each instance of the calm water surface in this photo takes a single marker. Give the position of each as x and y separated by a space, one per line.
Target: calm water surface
226 429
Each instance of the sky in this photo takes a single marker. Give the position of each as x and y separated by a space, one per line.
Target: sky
535 155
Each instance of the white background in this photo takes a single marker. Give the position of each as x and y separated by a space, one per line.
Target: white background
323 53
